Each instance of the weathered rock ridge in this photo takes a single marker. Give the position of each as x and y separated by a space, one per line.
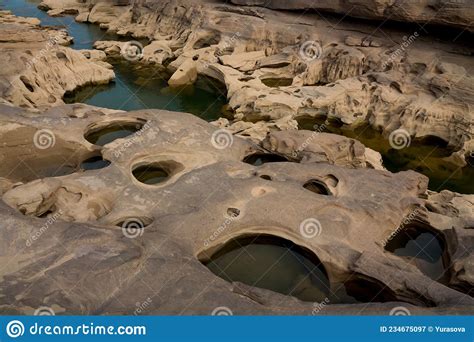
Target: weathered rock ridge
446 12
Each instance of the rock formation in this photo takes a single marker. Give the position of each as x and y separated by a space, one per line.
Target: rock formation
38 68
446 12
295 65
100 224
65 244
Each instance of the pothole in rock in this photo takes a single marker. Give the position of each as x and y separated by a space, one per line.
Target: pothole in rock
105 134
364 291
427 155
271 263
277 82
94 163
157 172
317 186
258 159
423 248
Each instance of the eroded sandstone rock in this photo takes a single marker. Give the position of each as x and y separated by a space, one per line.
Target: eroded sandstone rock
276 64
98 264
453 13
39 68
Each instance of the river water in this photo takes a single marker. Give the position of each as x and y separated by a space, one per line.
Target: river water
133 87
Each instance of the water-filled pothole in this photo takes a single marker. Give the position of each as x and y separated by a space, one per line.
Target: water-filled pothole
105 134
150 174
157 172
258 159
272 263
277 82
426 155
423 248
367 291
94 163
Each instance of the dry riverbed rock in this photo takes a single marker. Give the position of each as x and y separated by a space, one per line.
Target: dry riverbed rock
101 241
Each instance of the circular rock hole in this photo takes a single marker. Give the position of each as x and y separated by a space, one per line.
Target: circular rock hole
233 212
272 263
317 186
258 159
94 163
107 133
157 172
422 247
366 291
